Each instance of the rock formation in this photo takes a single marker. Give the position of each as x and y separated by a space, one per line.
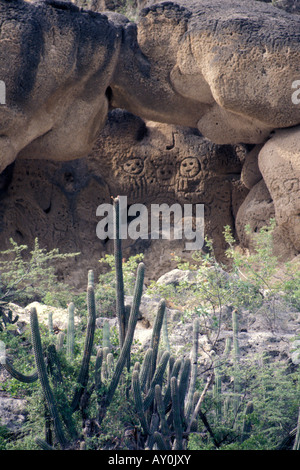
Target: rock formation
56 62
218 76
150 164
214 65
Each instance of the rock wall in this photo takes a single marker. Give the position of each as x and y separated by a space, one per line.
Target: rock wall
200 105
150 164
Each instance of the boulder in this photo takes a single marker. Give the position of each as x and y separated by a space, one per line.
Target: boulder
56 63
12 413
215 65
279 164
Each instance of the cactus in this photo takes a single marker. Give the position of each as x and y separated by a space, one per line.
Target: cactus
162 415
235 328
70 331
120 306
57 378
145 368
247 423
156 335
165 333
160 441
89 339
183 383
98 366
91 278
236 354
50 323
43 378
106 335
217 388
137 393
60 341
194 369
17 375
175 372
157 379
125 351
176 415
43 444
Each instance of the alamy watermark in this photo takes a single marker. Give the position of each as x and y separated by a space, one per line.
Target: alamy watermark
166 222
2 92
296 94
2 353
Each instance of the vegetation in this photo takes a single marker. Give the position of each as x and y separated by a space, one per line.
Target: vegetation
78 384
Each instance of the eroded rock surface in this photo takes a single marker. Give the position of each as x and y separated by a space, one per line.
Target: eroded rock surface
212 65
56 63
150 164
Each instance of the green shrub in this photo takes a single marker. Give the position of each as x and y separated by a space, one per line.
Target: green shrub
28 276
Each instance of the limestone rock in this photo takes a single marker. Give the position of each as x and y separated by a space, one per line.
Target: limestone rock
256 212
251 174
176 276
12 413
150 163
56 63
215 65
291 6
280 166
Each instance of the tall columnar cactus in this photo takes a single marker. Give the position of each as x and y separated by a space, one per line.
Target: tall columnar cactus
43 377
236 353
156 379
88 346
162 415
125 351
235 328
50 323
146 366
120 305
217 388
71 331
194 369
178 445
247 421
156 335
91 278
106 335
137 393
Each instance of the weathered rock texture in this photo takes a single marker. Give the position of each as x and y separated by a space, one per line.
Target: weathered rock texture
153 163
222 68
214 65
56 62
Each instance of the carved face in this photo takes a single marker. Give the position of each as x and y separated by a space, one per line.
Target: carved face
134 166
190 167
